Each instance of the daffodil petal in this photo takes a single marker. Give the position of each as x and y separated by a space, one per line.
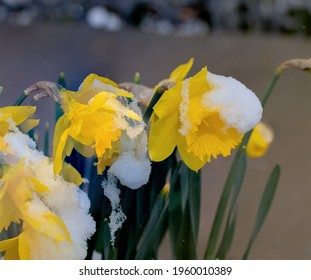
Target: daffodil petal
260 140
89 80
180 72
62 124
162 137
46 222
38 186
18 113
24 247
10 247
28 125
59 154
71 175
192 161
169 102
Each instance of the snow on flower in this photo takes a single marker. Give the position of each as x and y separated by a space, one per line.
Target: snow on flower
93 121
204 116
53 212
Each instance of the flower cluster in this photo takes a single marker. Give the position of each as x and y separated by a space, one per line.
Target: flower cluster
203 116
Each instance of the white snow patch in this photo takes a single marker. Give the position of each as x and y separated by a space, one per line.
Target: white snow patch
238 106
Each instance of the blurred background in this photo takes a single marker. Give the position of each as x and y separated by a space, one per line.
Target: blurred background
169 17
246 39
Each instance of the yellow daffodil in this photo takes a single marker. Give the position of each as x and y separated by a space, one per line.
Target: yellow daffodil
92 122
47 213
52 212
204 116
13 116
19 202
260 140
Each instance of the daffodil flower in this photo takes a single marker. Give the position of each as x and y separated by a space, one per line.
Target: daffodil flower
260 140
53 213
19 201
204 116
93 121
12 116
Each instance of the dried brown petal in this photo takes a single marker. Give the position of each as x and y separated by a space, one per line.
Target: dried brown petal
297 63
45 89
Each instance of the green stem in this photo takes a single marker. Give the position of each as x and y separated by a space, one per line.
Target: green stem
46 139
20 99
137 78
266 95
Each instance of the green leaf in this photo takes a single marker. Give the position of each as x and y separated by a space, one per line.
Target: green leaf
235 178
46 148
227 237
19 101
186 231
187 244
195 201
175 210
126 236
154 230
105 237
230 223
264 206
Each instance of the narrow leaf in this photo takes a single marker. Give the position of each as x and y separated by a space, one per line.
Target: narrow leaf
235 171
187 244
264 206
154 229
227 237
195 201
175 210
230 223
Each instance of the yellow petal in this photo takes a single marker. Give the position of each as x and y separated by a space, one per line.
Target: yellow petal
46 222
60 127
192 161
212 138
38 186
24 247
84 150
59 155
104 84
4 128
70 174
162 137
28 125
14 194
180 72
199 84
177 75
260 140
10 247
18 113
89 80
169 102
3 189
